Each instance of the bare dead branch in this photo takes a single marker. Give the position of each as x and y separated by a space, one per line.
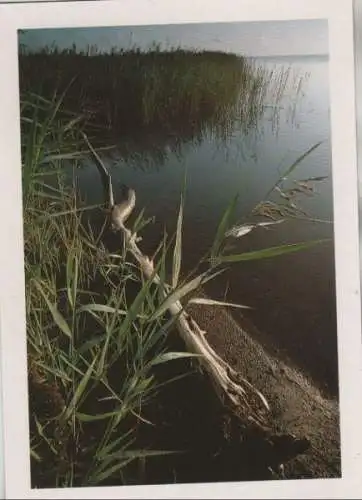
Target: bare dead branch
231 387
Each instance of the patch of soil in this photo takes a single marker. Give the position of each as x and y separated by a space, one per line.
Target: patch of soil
298 406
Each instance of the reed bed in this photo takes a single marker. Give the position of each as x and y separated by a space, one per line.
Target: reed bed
178 93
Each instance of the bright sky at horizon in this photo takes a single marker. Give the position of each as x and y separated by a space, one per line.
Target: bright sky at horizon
267 38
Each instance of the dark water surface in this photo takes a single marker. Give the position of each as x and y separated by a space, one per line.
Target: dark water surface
293 296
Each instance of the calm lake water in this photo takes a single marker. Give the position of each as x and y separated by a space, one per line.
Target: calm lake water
292 296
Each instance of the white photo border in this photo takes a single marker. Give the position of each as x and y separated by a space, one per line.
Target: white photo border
345 192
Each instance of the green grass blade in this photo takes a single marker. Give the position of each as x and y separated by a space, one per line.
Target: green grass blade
270 252
159 332
162 271
55 372
47 196
223 225
71 211
71 124
101 308
72 273
90 344
211 302
171 356
66 361
98 477
83 417
177 254
300 159
40 428
58 318
176 264
179 293
79 391
137 304
293 166
106 450
122 458
134 454
35 456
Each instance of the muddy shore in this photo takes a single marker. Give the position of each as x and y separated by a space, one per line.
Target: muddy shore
298 406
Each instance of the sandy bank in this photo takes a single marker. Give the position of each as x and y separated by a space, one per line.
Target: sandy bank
298 406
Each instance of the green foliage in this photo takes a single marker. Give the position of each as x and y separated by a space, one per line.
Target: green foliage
266 253
82 325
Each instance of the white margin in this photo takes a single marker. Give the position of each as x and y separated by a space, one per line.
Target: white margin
12 302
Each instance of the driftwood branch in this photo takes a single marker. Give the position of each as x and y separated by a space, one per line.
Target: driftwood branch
231 387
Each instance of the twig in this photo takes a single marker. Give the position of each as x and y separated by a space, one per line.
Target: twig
105 175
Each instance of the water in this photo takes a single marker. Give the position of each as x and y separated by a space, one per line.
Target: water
293 296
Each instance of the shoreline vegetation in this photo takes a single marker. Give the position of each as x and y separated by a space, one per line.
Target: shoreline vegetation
114 395
147 102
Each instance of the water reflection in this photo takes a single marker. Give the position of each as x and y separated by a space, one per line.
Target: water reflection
265 105
293 296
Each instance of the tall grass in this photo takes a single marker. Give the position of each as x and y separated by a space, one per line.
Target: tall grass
92 347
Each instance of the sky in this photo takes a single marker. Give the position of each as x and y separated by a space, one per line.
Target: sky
252 39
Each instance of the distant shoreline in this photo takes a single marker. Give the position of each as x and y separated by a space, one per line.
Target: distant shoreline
290 56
